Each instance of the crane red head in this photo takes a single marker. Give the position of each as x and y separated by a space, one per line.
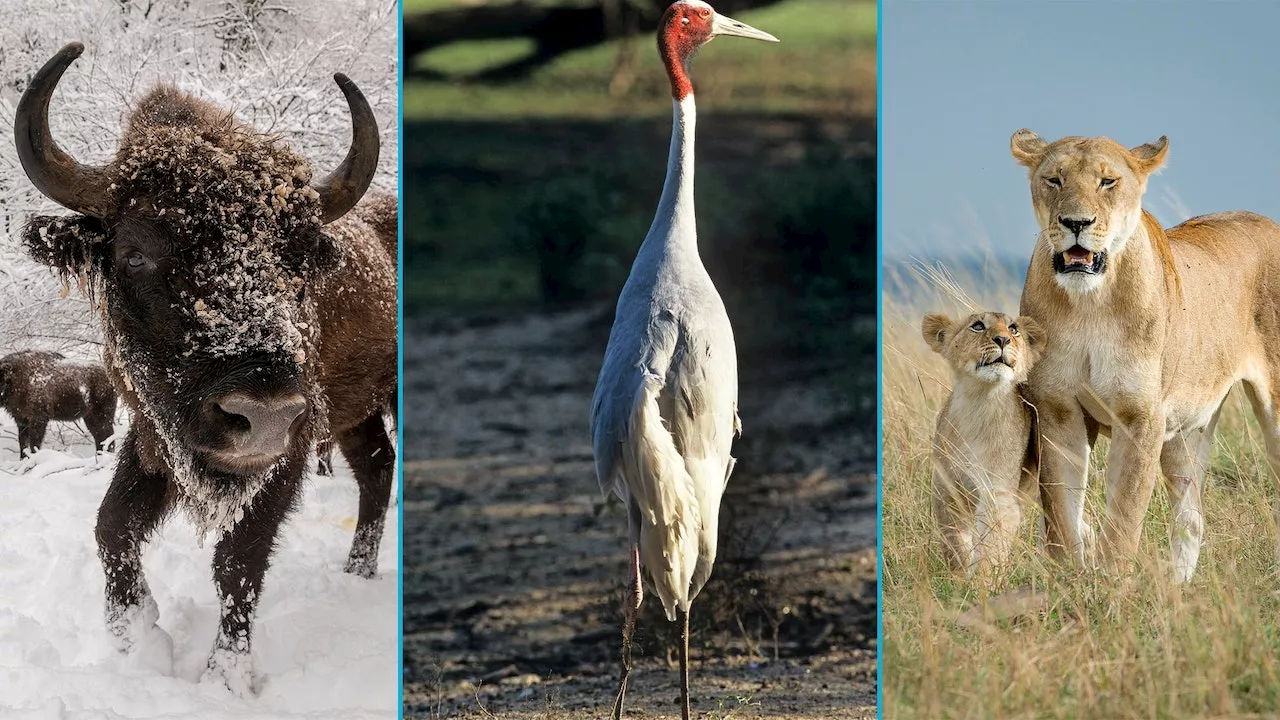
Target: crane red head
688 25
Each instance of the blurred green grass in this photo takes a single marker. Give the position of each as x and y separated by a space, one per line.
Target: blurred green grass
501 177
825 62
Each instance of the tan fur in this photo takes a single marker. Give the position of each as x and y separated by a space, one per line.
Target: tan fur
1146 351
984 452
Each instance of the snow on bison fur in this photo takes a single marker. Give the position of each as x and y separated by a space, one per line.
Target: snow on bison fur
37 386
248 312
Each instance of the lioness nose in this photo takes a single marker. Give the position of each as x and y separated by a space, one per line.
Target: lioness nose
1001 340
269 421
1076 225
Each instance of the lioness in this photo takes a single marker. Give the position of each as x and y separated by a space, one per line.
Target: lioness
1149 330
984 449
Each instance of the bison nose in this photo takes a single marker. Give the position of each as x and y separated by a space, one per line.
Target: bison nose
265 424
1001 340
1076 225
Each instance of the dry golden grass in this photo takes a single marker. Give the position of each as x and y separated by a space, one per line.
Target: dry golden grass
1075 644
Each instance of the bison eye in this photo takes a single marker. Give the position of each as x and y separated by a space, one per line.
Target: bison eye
1053 182
977 326
135 259
1105 183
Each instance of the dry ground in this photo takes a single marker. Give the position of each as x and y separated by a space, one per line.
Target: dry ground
515 566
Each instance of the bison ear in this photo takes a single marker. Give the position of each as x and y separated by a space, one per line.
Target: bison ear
327 255
935 328
1148 157
70 245
1027 148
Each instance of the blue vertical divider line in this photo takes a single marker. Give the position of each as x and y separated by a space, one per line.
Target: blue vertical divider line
879 360
400 358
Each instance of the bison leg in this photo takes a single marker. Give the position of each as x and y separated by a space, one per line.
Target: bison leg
240 561
324 461
132 508
22 438
368 451
35 434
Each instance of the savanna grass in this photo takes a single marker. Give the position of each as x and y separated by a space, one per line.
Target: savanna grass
1050 642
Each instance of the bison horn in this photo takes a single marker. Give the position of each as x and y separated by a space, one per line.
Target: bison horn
343 188
82 188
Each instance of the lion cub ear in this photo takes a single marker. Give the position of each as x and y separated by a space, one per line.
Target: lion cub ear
1148 157
935 329
1027 148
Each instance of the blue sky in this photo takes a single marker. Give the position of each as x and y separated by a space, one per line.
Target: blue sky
959 77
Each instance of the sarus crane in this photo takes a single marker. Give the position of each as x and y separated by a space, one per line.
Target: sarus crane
665 409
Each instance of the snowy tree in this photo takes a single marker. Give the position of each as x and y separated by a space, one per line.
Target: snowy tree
269 61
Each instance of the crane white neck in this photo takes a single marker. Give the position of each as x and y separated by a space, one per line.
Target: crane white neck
674 228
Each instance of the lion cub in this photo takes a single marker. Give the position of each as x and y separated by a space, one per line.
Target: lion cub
985 449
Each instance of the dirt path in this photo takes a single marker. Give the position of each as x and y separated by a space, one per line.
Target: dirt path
515 565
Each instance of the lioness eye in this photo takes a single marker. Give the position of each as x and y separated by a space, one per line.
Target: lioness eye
1106 183
1013 330
978 326
1053 182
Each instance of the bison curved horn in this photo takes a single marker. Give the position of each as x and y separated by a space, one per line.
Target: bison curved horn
343 188
82 188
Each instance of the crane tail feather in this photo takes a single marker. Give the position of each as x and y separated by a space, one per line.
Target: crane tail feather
663 489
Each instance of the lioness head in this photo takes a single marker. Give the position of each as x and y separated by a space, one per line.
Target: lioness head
1087 197
989 346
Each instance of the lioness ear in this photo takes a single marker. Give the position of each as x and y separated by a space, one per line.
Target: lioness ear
934 329
1027 148
1148 158
1032 332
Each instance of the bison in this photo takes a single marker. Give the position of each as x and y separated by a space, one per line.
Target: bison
248 312
38 386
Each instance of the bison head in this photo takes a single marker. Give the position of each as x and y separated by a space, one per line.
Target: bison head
198 245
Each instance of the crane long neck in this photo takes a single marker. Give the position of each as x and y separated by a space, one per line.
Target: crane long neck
674 228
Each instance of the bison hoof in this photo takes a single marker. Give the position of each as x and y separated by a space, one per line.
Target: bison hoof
136 634
365 567
232 670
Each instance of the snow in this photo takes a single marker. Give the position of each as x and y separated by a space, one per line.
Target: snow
325 642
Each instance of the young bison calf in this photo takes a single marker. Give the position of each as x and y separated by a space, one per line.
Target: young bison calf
38 386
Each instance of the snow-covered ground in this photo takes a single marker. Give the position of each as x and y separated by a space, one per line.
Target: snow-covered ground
325 643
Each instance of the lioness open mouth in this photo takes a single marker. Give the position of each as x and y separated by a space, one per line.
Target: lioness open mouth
1077 259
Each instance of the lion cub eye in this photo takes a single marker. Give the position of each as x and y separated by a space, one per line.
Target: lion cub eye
1105 183
1054 182
978 326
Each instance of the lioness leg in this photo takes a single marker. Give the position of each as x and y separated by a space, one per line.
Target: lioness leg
1132 468
1264 408
1185 460
1064 465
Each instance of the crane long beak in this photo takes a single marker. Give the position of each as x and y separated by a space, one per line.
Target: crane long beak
721 25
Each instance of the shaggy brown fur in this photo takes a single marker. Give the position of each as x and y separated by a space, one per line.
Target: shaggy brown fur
215 280
38 386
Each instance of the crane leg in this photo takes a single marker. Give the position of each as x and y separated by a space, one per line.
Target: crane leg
684 666
635 593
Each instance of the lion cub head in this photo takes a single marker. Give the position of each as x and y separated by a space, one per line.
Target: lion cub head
988 346
1087 197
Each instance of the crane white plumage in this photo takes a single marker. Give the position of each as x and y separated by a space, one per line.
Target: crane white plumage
665 412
